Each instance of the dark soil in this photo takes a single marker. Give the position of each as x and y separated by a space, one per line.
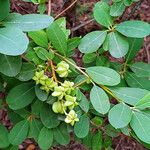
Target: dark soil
78 21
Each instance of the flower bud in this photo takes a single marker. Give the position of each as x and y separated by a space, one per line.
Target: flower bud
62 69
40 77
59 92
71 118
70 102
58 107
68 86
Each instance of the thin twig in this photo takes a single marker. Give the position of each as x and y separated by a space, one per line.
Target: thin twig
82 25
66 9
148 54
49 7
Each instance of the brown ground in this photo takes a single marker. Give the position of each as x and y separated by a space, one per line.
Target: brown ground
83 9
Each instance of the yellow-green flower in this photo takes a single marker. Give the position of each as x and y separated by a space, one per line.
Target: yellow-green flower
68 86
59 92
71 117
62 69
70 102
58 107
40 77
49 85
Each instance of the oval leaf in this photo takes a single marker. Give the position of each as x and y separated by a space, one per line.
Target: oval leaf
61 135
29 22
4 142
41 95
129 95
48 117
35 128
4 9
81 128
20 96
57 37
138 29
118 45
19 132
117 9
141 69
45 138
39 37
140 123
99 100
123 113
15 46
104 75
101 14
27 72
92 41
10 65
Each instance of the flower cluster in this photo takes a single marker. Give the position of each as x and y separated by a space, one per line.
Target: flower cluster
64 92
47 84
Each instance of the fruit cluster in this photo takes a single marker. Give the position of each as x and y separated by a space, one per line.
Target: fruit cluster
64 91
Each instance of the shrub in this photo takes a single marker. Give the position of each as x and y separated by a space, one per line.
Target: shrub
45 89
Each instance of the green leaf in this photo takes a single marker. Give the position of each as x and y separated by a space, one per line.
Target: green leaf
128 2
43 53
135 45
89 58
41 95
140 123
31 56
117 9
123 113
4 142
15 46
45 138
36 107
23 113
92 41
10 65
144 102
48 117
73 43
35 128
57 38
118 45
29 22
104 75
87 141
141 69
138 29
39 37
12 147
20 96
84 103
81 128
101 14
61 135
99 100
129 95
27 72
97 141
4 9
138 82
102 61
19 132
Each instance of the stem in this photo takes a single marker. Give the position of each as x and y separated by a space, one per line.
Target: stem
80 83
49 7
53 71
66 9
